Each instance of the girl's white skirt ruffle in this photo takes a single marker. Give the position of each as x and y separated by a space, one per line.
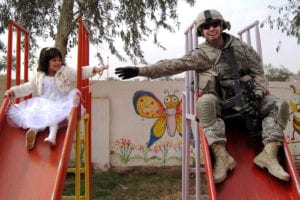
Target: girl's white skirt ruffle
39 113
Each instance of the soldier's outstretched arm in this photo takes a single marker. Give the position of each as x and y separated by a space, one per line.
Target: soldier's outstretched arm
127 72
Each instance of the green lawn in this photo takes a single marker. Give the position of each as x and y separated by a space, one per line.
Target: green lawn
134 185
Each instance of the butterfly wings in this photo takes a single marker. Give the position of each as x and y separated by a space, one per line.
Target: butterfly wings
178 118
147 105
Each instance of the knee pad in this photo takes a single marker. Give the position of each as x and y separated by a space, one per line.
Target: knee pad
207 110
283 114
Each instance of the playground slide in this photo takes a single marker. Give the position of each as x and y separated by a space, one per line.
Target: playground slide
247 181
36 174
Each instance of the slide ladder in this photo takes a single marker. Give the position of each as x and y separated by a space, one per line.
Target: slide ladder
246 181
190 145
82 144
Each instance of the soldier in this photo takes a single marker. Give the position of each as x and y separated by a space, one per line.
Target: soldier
216 71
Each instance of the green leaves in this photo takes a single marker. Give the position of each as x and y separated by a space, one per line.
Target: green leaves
287 19
131 21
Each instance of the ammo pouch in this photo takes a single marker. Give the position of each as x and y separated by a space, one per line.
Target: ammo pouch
207 83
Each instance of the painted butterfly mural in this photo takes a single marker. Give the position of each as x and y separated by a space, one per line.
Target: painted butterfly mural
168 113
295 108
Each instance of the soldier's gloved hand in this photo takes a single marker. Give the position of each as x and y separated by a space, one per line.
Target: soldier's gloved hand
127 72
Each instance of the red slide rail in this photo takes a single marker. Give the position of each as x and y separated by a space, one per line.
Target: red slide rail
83 86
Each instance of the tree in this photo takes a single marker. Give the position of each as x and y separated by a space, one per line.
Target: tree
2 57
287 21
132 21
2 63
277 74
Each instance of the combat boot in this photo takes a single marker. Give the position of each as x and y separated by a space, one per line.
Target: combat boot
223 162
268 159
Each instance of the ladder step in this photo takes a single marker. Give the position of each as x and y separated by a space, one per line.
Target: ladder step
190 116
193 169
192 141
202 197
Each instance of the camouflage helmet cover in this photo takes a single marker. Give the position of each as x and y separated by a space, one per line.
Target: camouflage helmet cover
208 15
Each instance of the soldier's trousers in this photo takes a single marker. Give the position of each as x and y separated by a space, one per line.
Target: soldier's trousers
208 110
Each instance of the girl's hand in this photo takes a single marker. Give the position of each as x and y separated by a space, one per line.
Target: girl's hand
99 70
9 93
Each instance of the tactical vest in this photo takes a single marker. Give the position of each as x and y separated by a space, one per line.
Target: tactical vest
229 79
219 76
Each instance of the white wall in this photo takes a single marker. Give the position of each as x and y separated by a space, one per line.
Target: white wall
124 123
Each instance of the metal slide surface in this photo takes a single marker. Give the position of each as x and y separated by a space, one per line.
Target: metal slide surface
36 174
249 182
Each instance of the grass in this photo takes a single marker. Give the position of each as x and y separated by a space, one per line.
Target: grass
113 186
134 185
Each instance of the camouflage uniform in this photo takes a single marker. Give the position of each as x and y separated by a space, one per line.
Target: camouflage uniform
221 72
208 62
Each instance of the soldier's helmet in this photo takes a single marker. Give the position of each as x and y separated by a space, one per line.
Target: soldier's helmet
208 15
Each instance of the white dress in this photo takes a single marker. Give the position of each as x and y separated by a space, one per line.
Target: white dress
38 113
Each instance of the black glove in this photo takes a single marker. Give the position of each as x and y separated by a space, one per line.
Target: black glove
127 72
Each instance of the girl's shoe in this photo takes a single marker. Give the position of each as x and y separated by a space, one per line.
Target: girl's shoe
50 141
30 138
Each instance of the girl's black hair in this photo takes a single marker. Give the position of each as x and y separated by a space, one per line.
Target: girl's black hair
46 55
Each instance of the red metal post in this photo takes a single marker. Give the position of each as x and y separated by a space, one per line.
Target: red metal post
26 56
18 58
9 56
20 32
82 85
79 57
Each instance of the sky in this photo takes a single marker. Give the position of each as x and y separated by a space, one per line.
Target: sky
240 13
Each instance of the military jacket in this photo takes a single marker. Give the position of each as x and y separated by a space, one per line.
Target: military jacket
207 61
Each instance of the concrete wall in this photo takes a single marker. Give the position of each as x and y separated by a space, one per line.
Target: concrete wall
120 135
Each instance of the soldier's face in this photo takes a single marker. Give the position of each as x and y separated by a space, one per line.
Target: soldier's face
212 31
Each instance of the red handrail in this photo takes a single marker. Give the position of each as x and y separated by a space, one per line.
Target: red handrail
13 26
83 85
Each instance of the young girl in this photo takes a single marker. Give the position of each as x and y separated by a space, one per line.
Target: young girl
52 84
